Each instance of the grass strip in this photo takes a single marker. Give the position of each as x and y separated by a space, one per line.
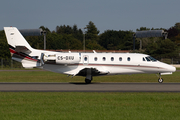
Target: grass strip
46 76
89 106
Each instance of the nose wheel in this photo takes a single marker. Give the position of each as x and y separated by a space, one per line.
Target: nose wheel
160 80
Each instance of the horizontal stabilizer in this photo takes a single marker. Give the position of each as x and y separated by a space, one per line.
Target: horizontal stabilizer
23 49
28 66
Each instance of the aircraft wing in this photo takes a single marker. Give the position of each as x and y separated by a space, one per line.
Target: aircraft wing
23 49
94 71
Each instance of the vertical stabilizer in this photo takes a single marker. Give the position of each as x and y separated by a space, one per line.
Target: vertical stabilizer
19 48
15 38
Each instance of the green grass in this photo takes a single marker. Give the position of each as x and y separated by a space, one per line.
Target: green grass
89 106
46 76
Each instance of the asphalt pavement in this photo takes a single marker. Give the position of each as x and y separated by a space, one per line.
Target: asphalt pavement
93 87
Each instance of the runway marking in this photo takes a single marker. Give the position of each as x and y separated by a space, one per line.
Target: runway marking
94 87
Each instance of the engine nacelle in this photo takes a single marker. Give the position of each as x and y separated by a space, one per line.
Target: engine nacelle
62 58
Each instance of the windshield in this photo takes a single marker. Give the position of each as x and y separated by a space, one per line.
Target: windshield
149 58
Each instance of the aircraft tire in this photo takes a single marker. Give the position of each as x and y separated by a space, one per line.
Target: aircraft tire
87 81
160 80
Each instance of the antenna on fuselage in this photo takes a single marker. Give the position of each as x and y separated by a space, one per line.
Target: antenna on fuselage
94 51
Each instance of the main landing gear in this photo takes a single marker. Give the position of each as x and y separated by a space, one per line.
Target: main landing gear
87 81
160 80
88 78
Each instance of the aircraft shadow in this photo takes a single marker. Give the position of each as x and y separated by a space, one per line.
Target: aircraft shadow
81 83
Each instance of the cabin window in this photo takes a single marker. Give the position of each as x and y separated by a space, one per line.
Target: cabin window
112 58
104 59
144 59
95 59
85 58
128 59
120 58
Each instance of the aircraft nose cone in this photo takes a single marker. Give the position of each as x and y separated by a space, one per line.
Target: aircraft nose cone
172 69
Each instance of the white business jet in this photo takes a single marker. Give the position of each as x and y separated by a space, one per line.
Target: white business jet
83 64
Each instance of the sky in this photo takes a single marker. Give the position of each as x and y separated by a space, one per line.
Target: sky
105 14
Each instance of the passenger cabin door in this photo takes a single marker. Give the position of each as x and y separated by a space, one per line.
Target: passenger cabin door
85 59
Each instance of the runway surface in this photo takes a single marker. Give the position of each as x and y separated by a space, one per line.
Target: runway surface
94 87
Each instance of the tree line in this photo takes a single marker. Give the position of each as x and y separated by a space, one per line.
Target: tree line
71 38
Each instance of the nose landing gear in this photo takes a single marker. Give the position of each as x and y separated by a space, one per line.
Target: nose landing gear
160 80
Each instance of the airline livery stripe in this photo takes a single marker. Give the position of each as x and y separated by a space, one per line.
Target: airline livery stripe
114 65
21 55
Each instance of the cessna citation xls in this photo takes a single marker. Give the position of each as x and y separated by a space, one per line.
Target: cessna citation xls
83 64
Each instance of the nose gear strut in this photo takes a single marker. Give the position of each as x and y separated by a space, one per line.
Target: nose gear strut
160 80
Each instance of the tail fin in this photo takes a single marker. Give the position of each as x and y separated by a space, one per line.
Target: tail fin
19 48
16 40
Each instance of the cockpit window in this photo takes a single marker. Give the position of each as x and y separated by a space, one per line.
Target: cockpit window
144 59
149 58
152 59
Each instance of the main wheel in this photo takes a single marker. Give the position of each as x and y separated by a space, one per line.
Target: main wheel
160 80
87 81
